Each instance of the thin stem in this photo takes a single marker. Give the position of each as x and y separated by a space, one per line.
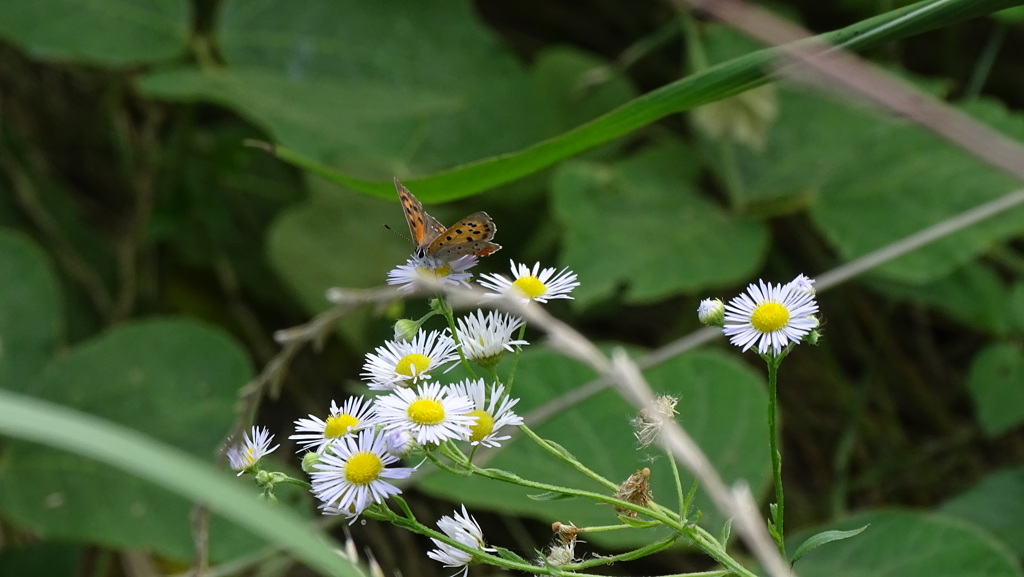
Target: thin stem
679 486
699 537
985 60
446 310
773 442
567 458
515 360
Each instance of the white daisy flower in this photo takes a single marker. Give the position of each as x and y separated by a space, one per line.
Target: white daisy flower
245 457
484 338
315 433
490 417
536 285
771 316
408 276
464 529
406 363
432 414
350 475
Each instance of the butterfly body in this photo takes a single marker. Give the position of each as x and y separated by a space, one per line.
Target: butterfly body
470 235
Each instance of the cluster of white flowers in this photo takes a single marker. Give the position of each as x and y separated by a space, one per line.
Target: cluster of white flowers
354 453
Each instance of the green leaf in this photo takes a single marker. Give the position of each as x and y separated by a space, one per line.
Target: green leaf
562 450
338 239
910 544
870 157
549 496
820 539
973 294
582 87
647 210
638 523
725 533
453 92
510 556
996 384
104 32
173 380
722 81
30 311
997 504
61 428
328 117
1011 15
1016 306
721 403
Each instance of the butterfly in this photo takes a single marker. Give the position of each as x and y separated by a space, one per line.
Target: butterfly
470 235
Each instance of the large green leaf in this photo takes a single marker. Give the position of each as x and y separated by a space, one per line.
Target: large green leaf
908 544
173 380
30 319
996 384
582 87
640 223
997 504
972 294
337 239
328 117
880 180
379 88
714 84
722 405
106 32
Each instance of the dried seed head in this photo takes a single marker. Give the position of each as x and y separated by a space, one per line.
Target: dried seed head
636 490
565 532
563 551
649 421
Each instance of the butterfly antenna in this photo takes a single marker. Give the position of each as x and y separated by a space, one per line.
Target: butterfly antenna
399 233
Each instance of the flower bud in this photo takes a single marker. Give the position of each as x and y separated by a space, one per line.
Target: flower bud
711 312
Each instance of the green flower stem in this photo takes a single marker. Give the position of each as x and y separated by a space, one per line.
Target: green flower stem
699 537
515 360
627 556
567 458
493 372
461 472
773 446
449 315
293 481
483 556
679 486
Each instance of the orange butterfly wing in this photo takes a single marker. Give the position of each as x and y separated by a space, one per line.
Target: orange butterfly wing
471 235
423 227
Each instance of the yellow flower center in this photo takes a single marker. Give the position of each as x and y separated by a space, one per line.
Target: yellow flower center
338 426
425 412
769 317
363 468
443 270
248 460
530 286
412 364
483 427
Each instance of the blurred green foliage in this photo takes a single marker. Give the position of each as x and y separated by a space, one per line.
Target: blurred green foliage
148 254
